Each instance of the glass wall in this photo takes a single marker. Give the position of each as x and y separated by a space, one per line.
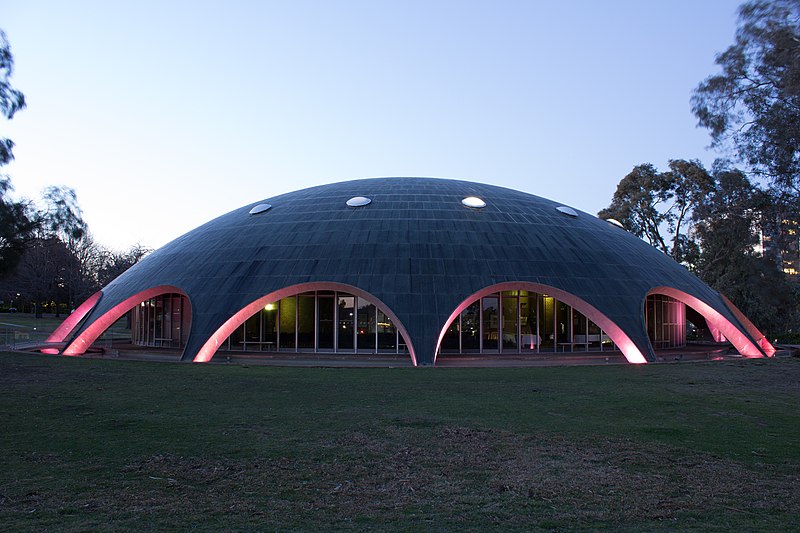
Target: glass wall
387 333
321 321
287 318
510 320
471 328
306 319
346 338
367 331
162 321
489 322
666 321
522 322
325 321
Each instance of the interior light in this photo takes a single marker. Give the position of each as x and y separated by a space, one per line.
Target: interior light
473 201
269 307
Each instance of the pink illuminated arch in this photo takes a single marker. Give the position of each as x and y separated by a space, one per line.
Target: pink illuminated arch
760 338
218 337
66 327
97 327
620 338
718 322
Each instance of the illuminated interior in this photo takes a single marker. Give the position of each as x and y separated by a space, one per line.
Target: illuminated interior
318 322
92 332
549 318
161 321
666 321
723 328
514 321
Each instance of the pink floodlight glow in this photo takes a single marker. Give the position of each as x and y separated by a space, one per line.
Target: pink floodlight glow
760 338
620 338
66 327
715 333
83 341
715 320
49 351
216 340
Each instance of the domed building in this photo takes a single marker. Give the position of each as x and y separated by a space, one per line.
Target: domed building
416 266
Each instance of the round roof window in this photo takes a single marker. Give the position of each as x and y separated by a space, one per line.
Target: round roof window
260 208
358 201
567 211
473 201
615 222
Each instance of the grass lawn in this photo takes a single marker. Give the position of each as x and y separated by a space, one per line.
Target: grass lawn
28 321
38 329
92 444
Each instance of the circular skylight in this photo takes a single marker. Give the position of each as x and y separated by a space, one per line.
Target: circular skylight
615 222
358 201
260 208
567 211
473 201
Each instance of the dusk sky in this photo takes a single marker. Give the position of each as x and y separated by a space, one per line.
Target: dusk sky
164 115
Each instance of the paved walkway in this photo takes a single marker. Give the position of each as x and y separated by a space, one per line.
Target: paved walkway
691 353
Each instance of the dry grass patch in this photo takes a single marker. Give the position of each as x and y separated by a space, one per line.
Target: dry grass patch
462 478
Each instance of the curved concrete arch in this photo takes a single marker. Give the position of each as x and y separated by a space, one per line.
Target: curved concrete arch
754 332
85 338
66 327
740 340
620 338
213 343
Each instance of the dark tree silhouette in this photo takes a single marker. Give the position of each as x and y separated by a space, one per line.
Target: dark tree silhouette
16 228
753 105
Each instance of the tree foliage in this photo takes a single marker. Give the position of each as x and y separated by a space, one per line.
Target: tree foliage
658 206
710 221
726 228
11 99
56 275
16 227
753 105
61 215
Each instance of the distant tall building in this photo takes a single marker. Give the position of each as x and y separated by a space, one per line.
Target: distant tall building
780 241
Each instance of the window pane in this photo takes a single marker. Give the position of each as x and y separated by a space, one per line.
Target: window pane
490 323
564 325
305 322
510 322
450 339
387 333
366 325
325 327
287 318
346 306
546 322
470 328
252 333
269 324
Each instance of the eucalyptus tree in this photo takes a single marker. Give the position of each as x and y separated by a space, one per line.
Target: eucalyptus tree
752 107
16 227
658 206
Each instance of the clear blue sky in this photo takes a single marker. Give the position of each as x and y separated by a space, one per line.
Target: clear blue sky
165 114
